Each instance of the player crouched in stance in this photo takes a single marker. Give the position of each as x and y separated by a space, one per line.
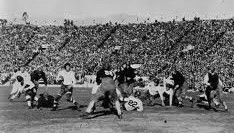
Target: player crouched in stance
214 87
28 89
104 90
133 102
67 77
180 88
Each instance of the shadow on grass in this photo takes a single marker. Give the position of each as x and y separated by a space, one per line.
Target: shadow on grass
206 107
72 107
98 114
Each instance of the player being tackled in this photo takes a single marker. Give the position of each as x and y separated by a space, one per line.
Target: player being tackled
104 89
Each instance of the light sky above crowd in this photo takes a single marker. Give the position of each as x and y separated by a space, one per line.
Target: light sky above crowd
101 8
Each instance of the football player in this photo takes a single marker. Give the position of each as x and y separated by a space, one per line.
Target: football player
16 89
104 90
155 91
133 102
45 101
67 77
126 80
180 88
28 88
213 83
36 75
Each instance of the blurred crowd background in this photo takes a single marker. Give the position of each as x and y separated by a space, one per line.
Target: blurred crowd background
191 46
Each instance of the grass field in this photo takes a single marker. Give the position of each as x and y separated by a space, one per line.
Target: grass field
16 117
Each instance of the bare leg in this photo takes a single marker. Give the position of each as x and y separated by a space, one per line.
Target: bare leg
90 106
162 98
171 93
117 105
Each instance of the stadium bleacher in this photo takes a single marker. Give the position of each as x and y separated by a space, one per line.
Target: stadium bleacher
154 45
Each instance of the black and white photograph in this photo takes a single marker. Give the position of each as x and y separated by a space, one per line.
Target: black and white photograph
117 66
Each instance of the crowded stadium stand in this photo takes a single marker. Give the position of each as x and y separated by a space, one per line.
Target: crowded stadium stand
190 45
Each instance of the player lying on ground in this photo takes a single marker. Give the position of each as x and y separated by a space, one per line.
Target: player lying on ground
105 89
214 86
67 77
45 101
133 102
28 88
16 89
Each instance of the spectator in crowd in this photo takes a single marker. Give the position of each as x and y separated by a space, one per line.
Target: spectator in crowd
153 45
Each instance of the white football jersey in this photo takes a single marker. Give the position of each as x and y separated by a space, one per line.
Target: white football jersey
69 77
133 103
26 76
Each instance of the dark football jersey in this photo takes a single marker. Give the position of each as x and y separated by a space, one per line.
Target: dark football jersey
128 73
37 75
45 102
103 73
213 80
120 77
178 78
